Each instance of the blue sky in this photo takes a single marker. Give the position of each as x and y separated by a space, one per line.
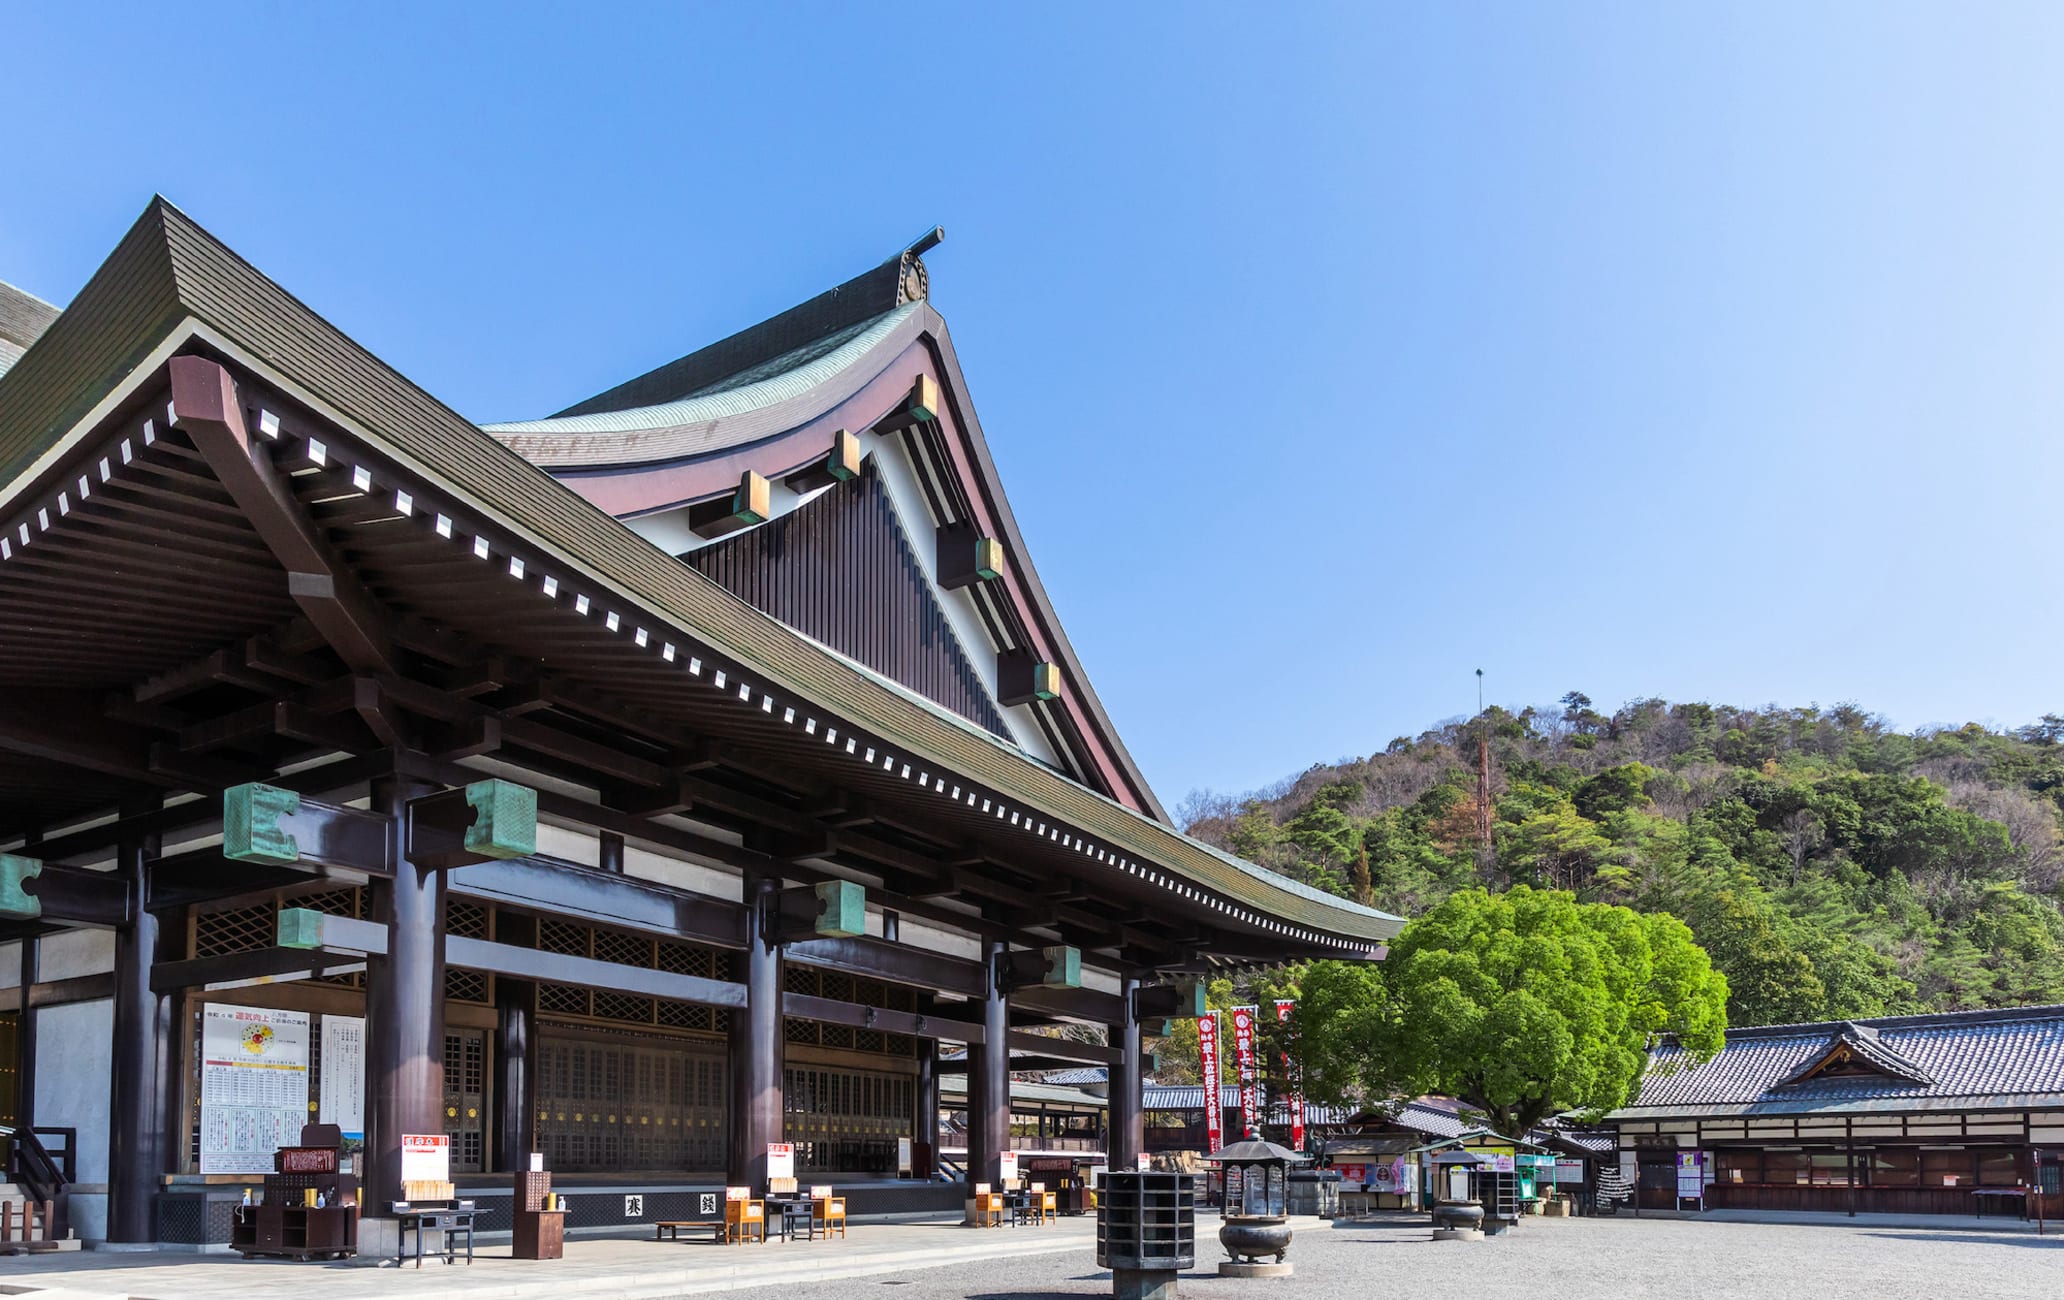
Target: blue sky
1329 353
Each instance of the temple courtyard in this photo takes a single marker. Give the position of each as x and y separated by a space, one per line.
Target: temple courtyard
1630 1259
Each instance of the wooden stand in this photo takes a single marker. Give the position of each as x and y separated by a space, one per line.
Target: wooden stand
539 1233
284 1224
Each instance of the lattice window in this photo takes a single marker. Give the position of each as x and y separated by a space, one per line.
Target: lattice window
566 999
870 993
468 920
836 985
332 902
899 1045
462 985
234 929
794 1030
870 1040
836 1035
797 978
623 1006
623 949
902 998
562 937
686 1015
687 959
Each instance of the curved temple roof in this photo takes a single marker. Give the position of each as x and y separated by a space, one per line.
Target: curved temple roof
170 280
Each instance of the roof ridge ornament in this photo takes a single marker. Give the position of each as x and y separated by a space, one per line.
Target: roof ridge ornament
915 282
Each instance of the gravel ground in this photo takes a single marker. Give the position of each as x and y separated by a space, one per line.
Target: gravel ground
1625 1259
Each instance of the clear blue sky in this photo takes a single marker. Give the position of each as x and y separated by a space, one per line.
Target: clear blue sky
1328 353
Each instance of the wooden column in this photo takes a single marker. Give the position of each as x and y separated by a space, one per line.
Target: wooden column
756 1040
924 1111
515 1053
25 1035
1128 1126
989 1078
610 852
404 1005
142 1032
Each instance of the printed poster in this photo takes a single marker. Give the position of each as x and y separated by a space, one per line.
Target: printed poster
342 1088
254 1086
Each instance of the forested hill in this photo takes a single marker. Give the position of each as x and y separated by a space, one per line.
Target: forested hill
1832 867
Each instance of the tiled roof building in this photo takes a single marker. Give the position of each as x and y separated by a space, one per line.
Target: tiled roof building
1933 1114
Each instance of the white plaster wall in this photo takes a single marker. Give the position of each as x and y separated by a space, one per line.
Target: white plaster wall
74 1061
917 934
583 847
71 953
694 876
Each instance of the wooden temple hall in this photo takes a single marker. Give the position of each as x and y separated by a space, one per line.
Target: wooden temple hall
639 786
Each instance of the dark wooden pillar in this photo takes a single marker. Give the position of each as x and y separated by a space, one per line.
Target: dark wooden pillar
989 1079
756 1040
924 1111
136 1105
1128 1126
515 1053
25 1037
892 927
404 1006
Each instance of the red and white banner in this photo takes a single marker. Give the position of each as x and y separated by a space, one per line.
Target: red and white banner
1292 1076
1243 1064
1208 1063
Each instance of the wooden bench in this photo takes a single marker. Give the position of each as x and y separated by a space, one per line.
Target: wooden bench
670 1229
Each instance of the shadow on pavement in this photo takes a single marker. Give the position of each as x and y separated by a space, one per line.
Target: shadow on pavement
1976 1238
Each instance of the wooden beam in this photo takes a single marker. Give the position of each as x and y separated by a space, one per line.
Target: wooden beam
840 465
205 403
965 557
893 962
1021 679
548 887
32 890
750 504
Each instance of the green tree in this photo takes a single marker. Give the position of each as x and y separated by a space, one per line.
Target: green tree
1523 1004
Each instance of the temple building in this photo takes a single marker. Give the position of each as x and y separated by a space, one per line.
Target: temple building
641 786
1955 1113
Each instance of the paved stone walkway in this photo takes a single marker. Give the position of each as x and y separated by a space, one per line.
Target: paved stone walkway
608 1269
1619 1258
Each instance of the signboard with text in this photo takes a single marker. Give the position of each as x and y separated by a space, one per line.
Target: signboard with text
425 1158
1243 1066
1008 1166
254 1086
781 1160
1212 1074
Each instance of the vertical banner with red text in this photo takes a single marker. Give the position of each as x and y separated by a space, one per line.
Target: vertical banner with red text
1208 1063
1293 1078
1243 1064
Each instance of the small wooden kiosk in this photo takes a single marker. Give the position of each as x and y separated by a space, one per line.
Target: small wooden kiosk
309 1209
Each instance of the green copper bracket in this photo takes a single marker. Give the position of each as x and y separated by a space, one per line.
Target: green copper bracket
487 821
251 830
1063 967
842 910
300 927
988 559
16 902
504 820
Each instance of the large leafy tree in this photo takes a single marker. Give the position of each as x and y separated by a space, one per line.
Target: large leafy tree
1523 1004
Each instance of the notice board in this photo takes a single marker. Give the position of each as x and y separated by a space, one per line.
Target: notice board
254 1086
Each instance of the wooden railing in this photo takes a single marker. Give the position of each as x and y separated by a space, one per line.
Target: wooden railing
43 1169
